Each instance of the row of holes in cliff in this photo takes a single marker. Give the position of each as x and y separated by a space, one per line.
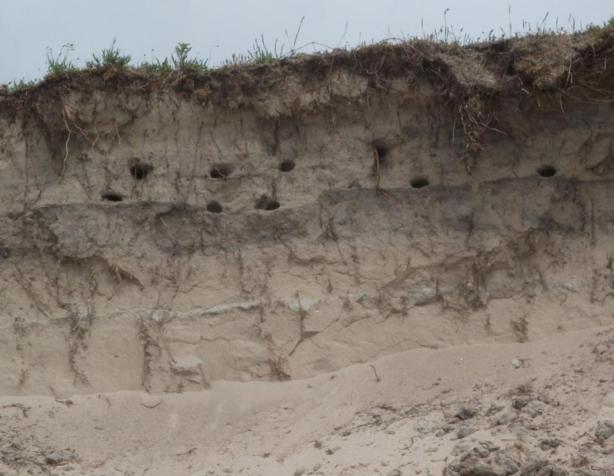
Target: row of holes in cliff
140 171
381 155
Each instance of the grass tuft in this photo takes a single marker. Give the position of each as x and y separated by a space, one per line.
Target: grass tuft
260 53
156 67
183 63
60 65
110 58
17 86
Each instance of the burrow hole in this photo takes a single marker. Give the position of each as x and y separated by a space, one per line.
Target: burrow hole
214 207
267 203
546 171
381 156
140 170
287 165
111 196
419 182
221 171
380 149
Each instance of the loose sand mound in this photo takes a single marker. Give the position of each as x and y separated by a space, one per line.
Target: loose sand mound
537 409
284 221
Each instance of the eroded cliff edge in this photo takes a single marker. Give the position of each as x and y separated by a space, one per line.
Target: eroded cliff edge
283 220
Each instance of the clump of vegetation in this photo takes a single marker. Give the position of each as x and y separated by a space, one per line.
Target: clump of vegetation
60 65
156 67
16 86
180 62
260 53
110 58
183 63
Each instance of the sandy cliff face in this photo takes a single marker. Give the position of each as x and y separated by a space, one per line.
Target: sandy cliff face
282 221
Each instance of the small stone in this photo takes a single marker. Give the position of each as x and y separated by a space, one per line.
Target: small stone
395 472
550 444
59 457
481 451
485 448
503 418
470 468
604 430
150 401
493 409
519 403
578 461
516 363
444 430
542 468
466 413
508 466
523 389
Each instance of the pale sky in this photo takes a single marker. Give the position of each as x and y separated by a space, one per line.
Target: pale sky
218 28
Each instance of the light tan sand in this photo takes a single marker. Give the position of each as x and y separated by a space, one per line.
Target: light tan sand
394 416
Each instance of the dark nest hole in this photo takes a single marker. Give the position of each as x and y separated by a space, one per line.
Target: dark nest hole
111 196
420 182
140 170
381 149
287 165
221 171
214 207
380 160
267 203
546 171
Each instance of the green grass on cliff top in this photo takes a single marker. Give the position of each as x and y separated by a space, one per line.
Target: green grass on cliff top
112 59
